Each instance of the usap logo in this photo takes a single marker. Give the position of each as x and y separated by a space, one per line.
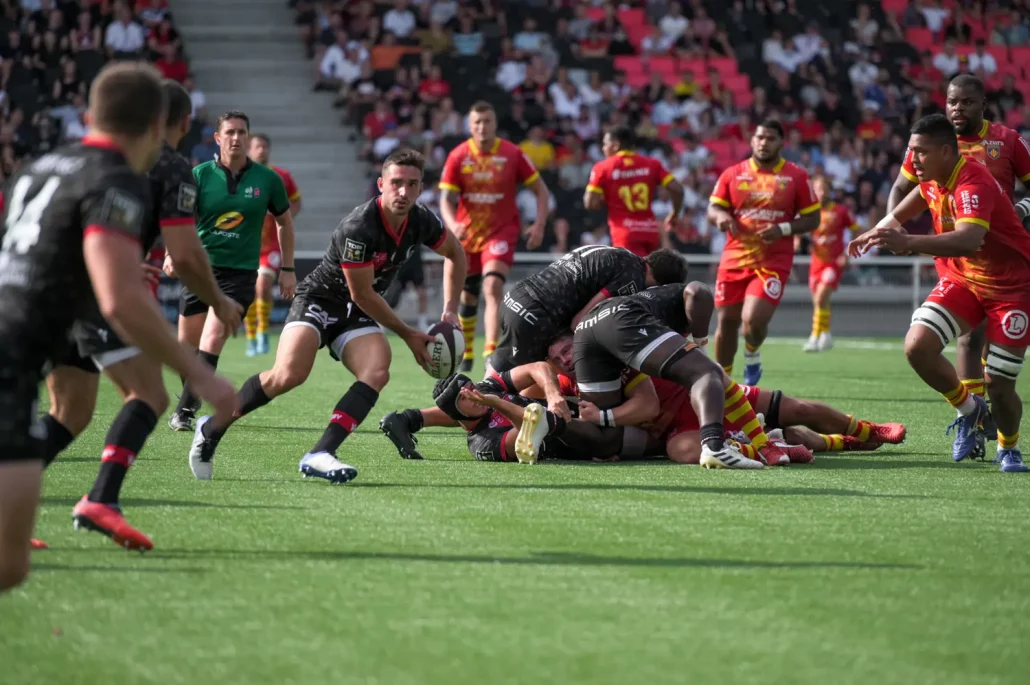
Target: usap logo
187 200
353 251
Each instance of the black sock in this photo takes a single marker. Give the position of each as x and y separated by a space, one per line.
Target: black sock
416 421
125 438
188 402
712 435
555 424
350 411
57 439
251 397
467 311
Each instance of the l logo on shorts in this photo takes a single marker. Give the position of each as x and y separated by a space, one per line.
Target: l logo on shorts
499 248
773 287
1014 324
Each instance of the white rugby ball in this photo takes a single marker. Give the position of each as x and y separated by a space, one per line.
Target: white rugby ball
446 351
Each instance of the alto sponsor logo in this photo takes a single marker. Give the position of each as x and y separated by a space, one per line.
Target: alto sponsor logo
229 221
520 309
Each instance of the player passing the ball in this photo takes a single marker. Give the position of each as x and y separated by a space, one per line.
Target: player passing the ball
760 203
983 259
340 306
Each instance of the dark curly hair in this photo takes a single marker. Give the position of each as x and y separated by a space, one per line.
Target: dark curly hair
667 266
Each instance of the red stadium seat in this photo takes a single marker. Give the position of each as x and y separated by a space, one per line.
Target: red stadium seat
895 7
695 66
663 64
738 82
1000 53
637 79
633 17
726 66
920 39
596 13
1021 56
631 64
663 131
637 34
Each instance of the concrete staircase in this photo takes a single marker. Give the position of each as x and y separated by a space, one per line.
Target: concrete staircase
247 55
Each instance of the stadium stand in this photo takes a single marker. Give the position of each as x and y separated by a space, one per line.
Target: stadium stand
51 50
846 77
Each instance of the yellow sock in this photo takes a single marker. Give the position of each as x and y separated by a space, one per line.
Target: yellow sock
748 349
728 369
820 321
1008 442
488 348
739 415
264 314
749 451
468 328
858 428
957 397
975 386
250 322
834 443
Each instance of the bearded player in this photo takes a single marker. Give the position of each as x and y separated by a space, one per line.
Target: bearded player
259 314
983 257
1007 157
760 203
625 183
477 202
828 261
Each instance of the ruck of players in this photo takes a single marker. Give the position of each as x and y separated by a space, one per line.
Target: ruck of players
601 355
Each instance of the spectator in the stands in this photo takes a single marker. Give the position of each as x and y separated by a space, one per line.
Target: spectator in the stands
947 60
1008 98
197 99
400 21
124 38
810 45
86 35
865 27
934 14
538 149
871 126
340 65
657 43
163 38
924 75
436 38
434 87
776 51
595 45
1012 30
447 121
206 149
674 24
468 40
981 62
863 72
529 40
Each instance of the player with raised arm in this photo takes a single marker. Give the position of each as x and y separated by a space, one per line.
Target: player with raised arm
73 382
340 306
478 185
259 314
647 332
760 203
1007 157
234 195
983 257
71 245
625 183
829 257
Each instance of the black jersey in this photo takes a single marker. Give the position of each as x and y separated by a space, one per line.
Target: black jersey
565 286
363 239
174 193
486 438
665 303
50 206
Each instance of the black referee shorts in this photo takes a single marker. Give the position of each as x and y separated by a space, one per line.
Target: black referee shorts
237 284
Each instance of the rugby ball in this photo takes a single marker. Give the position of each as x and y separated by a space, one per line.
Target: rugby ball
446 351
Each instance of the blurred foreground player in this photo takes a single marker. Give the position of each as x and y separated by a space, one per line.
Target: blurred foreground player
625 183
478 186
829 258
72 230
340 306
983 257
759 203
259 314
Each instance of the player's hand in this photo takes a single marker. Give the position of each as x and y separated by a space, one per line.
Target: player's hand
229 312
589 412
216 391
151 273
559 407
534 235
451 318
859 246
671 222
287 284
169 267
727 224
416 341
472 394
894 239
771 234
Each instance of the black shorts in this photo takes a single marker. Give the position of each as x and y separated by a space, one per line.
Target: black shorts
614 335
527 330
237 284
96 341
412 271
336 323
19 391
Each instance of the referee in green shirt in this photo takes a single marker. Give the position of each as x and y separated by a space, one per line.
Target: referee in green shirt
233 196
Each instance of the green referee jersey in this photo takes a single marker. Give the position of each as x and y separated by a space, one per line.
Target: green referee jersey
231 211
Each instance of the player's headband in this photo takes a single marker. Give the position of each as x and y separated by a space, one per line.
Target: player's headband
445 394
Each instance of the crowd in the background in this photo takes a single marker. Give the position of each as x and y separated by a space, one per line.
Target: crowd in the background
50 50
843 77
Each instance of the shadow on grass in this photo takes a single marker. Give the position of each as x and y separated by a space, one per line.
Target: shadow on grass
535 559
872 462
44 567
142 503
370 429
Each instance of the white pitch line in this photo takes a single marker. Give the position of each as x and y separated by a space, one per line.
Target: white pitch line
841 343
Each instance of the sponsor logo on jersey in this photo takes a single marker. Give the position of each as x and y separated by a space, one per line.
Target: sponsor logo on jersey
353 251
121 210
379 260
520 310
187 199
320 315
229 221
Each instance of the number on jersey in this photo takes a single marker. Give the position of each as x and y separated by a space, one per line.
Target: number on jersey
637 196
23 219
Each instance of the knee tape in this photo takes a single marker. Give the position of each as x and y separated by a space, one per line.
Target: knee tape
939 320
772 417
472 284
496 274
1003 364
634 442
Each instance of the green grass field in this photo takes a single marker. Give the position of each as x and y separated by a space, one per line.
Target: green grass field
890 567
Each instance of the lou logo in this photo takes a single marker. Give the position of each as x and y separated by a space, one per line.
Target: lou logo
228 221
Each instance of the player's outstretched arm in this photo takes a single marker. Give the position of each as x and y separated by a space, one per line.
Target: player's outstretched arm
641 407
455 269
542 375
964 241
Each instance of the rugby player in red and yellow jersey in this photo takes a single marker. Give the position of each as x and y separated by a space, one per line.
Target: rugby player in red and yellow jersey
760 203
983 258
477 203
259 314
1007 157
828 262
625 182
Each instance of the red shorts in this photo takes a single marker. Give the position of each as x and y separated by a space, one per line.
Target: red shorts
823 273
640 244
500 248
270 262
733 285
686 419
1008 323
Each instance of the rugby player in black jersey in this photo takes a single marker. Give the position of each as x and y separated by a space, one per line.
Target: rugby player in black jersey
71 247
340 306
646 332
73 383
538 308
